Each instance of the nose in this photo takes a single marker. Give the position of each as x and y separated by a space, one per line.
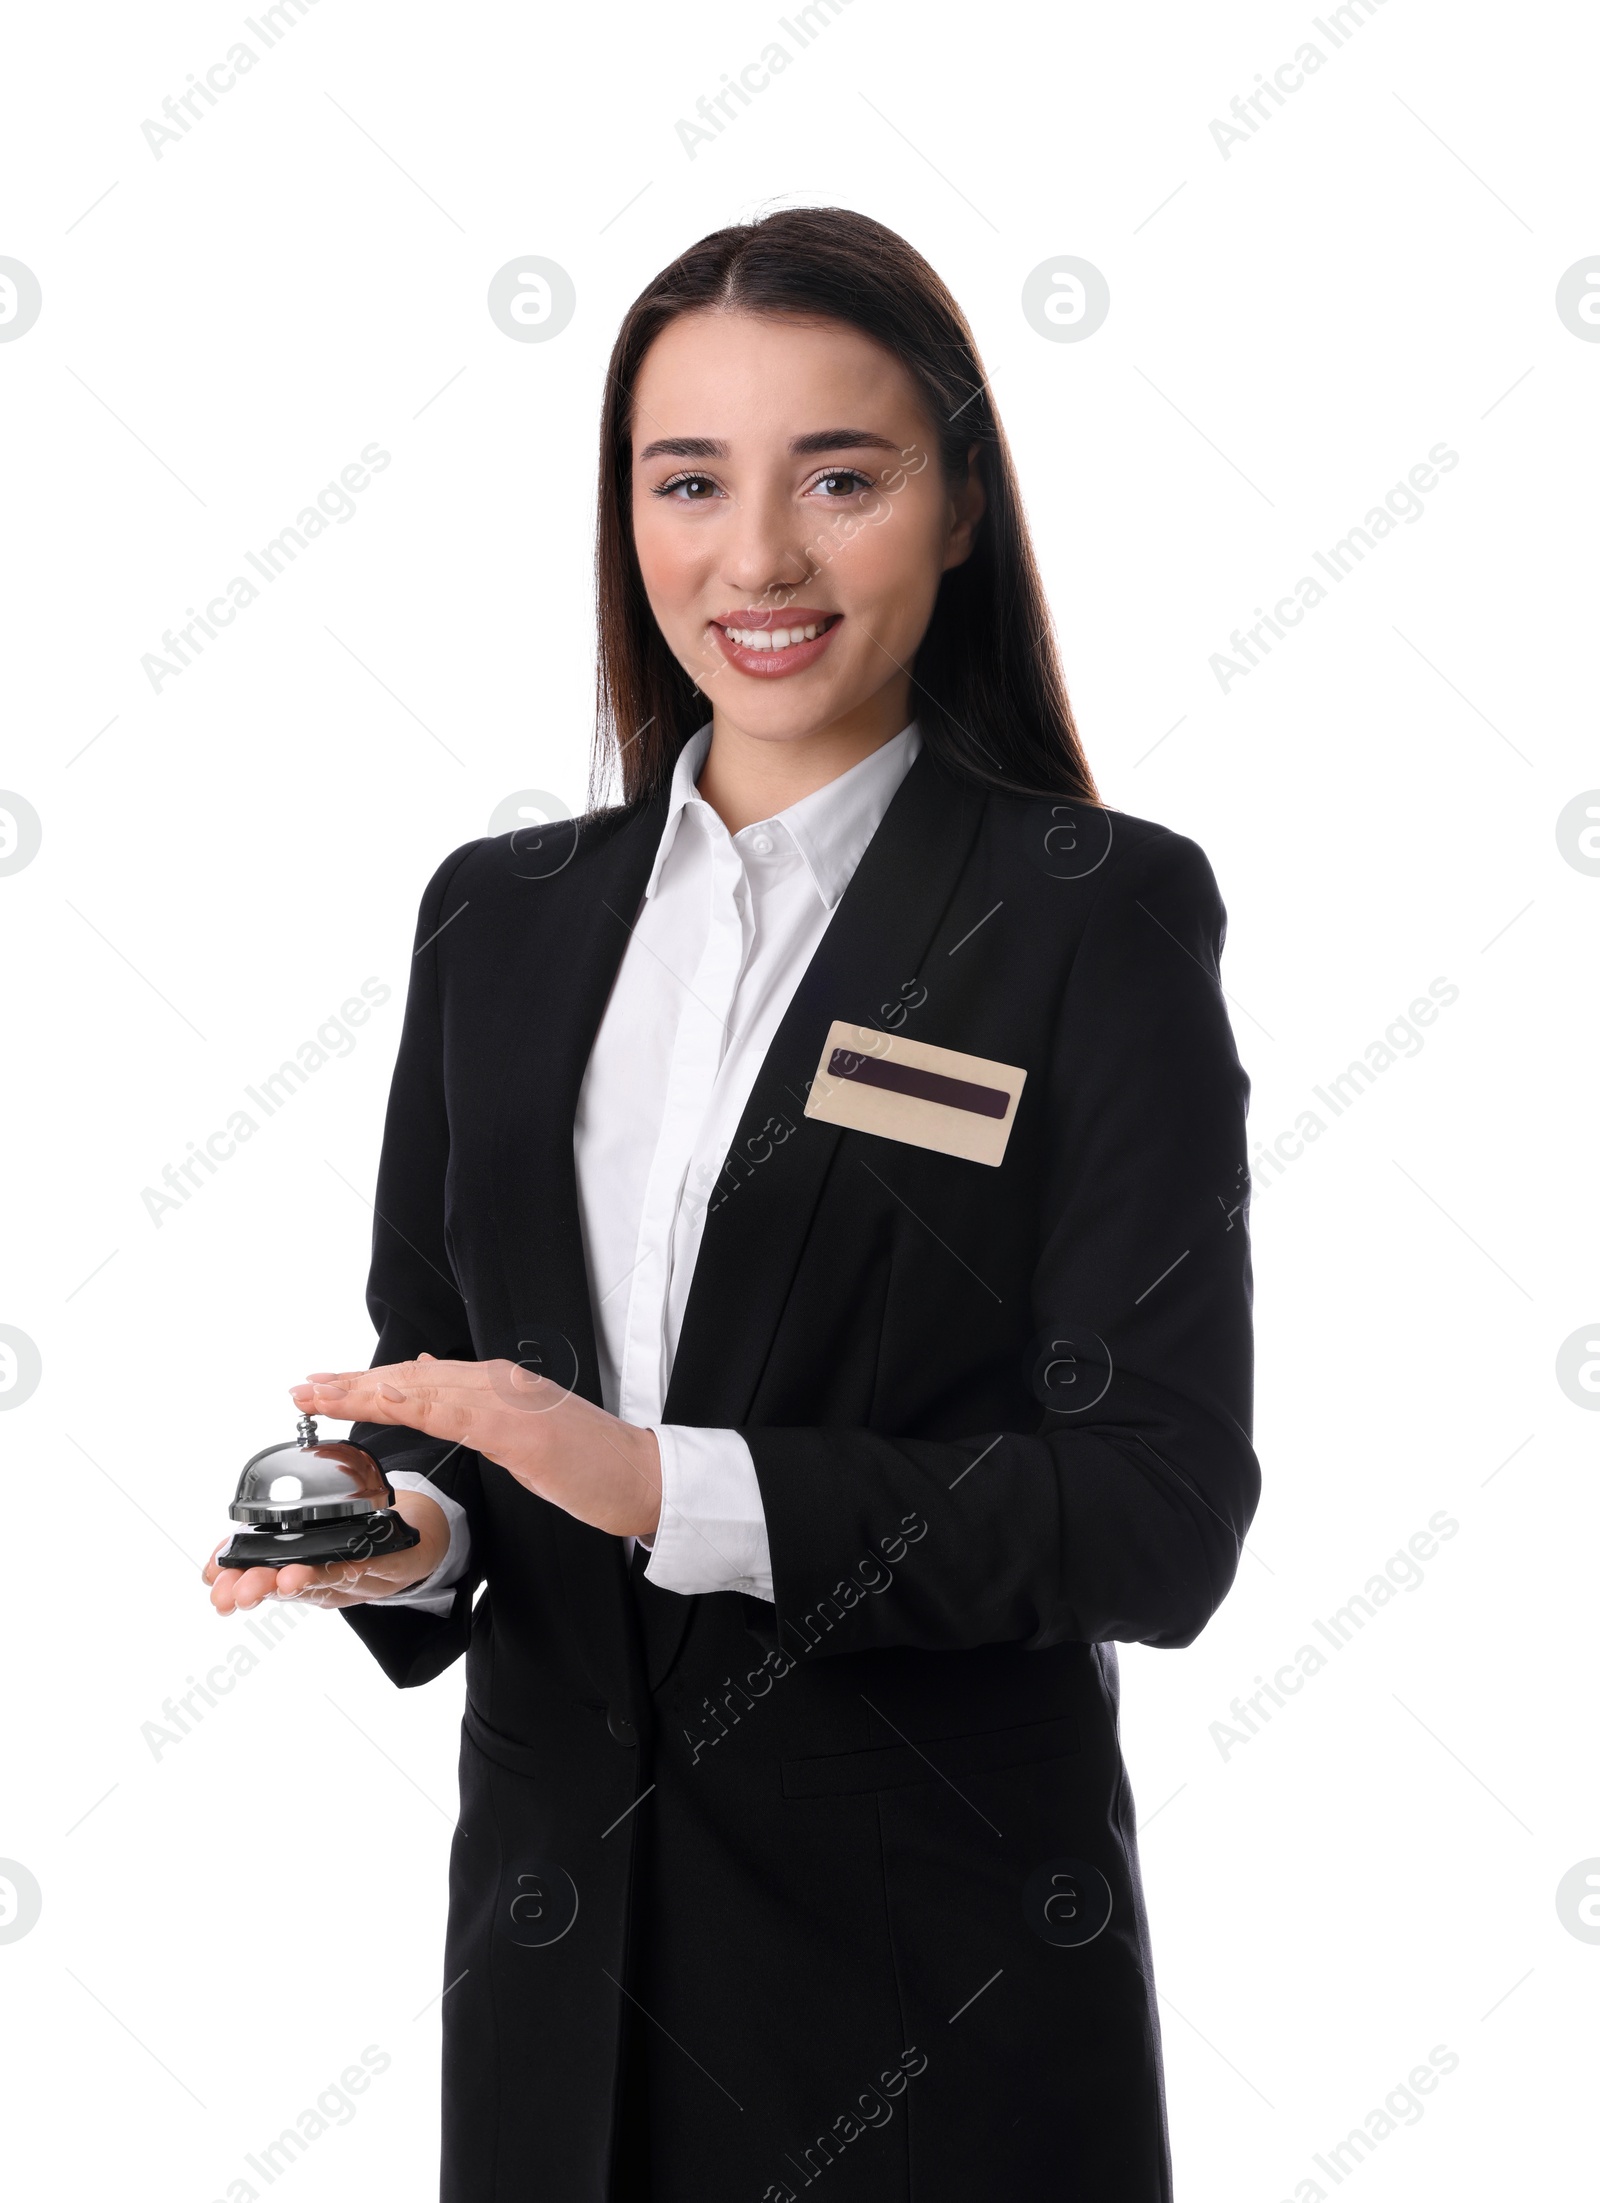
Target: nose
765 552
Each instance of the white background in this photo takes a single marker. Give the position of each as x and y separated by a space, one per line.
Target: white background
225 1927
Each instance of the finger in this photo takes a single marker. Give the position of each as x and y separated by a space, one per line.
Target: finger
436 1398
313 1389
255 1587
333 1382
354 1402
225 1590
299 1576
395 1373
360 1396
238 1589
395 1370
349 1376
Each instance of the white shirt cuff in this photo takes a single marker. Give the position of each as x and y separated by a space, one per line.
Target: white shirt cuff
434 1594
713 1530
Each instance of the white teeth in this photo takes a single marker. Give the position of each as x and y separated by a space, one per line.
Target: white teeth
770 638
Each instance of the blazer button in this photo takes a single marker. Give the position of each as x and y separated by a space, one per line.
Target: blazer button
621 1727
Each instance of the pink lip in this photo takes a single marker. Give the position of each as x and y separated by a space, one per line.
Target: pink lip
791 615
771 665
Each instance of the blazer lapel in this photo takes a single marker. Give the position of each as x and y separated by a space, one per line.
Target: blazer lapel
751 1246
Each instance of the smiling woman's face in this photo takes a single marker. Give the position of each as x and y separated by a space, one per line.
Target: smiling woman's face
791 520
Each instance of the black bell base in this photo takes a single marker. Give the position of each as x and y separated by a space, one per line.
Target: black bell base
361 1537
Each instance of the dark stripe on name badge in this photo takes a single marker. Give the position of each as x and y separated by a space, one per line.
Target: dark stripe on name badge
933 1086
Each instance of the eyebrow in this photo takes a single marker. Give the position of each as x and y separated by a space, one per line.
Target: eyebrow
802 447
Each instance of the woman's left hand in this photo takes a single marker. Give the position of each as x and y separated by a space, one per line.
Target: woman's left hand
560 1446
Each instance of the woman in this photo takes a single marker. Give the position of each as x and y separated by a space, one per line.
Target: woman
813 1301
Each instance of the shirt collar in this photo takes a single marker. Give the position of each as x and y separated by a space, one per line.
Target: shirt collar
684 775
830 828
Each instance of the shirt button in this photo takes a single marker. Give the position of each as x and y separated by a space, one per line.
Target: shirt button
762 845
621 1727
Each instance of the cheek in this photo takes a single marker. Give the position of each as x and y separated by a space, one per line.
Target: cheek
892 564
669 560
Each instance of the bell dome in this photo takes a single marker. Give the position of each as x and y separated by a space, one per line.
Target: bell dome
310 1480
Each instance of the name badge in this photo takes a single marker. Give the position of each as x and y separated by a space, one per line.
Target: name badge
905 1090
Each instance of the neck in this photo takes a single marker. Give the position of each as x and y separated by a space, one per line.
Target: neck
748 776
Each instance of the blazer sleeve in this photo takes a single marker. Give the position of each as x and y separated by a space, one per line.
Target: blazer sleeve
1121 1511
414 1302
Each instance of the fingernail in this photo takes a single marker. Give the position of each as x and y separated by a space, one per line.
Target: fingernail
389 1392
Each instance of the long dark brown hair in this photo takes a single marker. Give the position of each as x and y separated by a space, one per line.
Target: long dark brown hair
990 700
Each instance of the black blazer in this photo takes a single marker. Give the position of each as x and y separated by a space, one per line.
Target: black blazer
865 1859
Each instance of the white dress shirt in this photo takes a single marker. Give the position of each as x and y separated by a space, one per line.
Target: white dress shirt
725 930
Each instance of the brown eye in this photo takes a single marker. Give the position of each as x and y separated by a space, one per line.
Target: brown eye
841 482
695 488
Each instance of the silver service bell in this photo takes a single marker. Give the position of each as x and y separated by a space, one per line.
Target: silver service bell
316 1500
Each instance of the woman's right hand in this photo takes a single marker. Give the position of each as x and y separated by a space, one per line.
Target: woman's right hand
339 1583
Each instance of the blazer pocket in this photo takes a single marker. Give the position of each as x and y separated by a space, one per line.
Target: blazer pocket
898 1766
